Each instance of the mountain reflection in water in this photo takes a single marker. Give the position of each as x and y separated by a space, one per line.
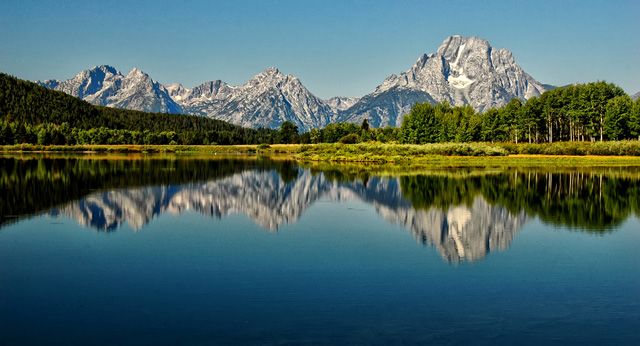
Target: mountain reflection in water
463 214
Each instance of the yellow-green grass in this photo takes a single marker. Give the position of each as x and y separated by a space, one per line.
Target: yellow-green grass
382 154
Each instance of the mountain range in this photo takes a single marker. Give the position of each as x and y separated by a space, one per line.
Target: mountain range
463 71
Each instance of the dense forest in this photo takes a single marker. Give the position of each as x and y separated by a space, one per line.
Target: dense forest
597 111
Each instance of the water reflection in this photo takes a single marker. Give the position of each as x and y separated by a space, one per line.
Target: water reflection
464 215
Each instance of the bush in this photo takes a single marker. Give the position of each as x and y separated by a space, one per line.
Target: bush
264 146
350 139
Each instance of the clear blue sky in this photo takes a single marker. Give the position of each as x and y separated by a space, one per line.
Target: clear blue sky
335 47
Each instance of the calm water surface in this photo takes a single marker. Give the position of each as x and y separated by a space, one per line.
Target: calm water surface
190 251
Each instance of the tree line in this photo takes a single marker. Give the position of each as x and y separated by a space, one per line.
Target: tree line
584 112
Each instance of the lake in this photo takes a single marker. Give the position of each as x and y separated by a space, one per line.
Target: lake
127 250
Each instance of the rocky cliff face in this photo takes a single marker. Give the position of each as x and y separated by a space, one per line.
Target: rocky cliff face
459 233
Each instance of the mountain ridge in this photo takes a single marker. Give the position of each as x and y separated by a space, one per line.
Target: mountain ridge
463 70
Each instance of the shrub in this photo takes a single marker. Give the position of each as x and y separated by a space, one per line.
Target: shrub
350 139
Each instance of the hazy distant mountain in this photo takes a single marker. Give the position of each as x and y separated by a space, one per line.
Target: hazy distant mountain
340 103
464 70
636 96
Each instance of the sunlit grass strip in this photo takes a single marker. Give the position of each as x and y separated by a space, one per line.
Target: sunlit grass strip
442 154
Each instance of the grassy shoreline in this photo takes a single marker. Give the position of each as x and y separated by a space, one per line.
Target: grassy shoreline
623 153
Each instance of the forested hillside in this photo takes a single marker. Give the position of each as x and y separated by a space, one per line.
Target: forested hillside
30 113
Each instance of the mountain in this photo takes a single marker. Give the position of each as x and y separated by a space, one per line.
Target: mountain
464 70
106 86
266 100
636 96
386 107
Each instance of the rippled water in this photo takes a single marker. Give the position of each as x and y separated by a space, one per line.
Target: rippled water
193 251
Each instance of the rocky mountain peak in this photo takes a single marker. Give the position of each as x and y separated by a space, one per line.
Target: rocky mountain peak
137 76
453 46
104 85
271 70
463 71
270 78
106 69
216 89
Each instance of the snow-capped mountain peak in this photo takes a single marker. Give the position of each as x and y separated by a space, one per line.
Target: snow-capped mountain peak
270 98
104 85
464 70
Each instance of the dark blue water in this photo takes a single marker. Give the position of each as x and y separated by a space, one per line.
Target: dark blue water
272 254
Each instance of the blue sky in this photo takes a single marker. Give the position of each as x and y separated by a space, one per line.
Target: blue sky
335 47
